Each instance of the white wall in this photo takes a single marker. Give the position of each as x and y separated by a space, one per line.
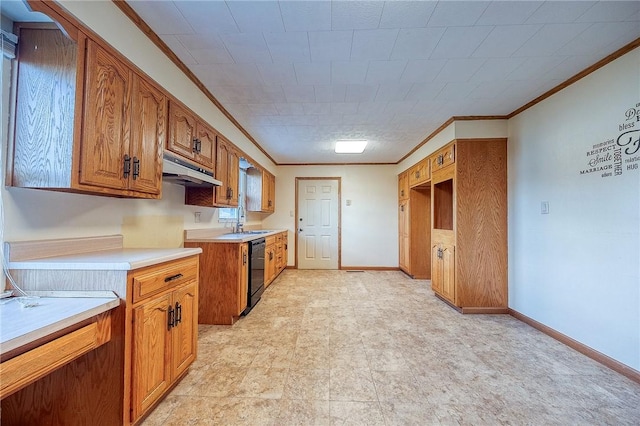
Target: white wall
369 225
34 214
577 269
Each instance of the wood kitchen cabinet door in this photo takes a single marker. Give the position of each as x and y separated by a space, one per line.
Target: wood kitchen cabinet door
205 155
184 335
148 135
151 348
107 123
182 130
222 171
234 175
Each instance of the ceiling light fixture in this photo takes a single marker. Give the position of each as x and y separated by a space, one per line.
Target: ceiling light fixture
350 146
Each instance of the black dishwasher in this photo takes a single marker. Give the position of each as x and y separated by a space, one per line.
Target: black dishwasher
256 273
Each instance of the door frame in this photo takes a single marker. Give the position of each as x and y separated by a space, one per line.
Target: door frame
295 218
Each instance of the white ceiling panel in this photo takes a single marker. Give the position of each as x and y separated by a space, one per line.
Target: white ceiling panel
361 92
559 12
313 73
460 69
598 36
373 44
288 47
248 48
355 15
460 42
295 93
299 74
206 17
612 11
457 13
422 71
389 92
256 16
277 73
332 93
385 71
406 14
550 38
508 12
330 45
343 72
504 40
306 15
416 43
496 69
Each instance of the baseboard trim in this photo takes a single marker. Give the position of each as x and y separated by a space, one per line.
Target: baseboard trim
369 268
603 359
483 310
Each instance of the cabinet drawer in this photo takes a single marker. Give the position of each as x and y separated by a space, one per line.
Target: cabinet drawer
155 279
444 157
419 173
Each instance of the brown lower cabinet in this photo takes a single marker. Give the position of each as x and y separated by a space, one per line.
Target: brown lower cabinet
153 342
224 275
276 255
165 332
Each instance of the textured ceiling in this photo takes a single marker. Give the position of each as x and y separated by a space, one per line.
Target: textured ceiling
298 75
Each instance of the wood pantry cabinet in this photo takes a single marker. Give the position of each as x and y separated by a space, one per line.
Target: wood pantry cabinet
261 190
276 255
165 330
106 130
191 137
414 230
224 275
469 225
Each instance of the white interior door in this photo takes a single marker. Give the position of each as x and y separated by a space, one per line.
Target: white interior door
318 202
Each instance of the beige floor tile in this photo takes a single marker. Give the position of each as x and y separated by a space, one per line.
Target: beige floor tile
309 384
353 384
331 347
355 413
298 412
263 383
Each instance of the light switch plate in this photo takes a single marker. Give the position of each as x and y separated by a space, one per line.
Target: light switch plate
544 207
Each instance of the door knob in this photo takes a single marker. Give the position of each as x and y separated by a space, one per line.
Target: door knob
300 230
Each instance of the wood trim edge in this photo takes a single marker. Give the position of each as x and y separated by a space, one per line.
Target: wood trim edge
595 355
485 310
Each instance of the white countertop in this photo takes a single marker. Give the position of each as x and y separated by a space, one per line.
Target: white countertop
234 238
52 312
118 259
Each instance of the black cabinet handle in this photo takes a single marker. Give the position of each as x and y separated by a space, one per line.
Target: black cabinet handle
173 277
194 147
178 319
136 168
171 318
127 166
244 258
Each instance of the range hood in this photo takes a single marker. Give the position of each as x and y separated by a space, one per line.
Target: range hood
176 170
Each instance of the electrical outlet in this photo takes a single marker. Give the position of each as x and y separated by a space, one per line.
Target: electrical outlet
196 217
544 207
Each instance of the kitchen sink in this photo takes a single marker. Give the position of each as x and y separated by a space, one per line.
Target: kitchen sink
256 232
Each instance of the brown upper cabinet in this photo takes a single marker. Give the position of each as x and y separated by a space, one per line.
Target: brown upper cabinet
107 128
261 191
443 158
227 171
419 173
403 186
191 137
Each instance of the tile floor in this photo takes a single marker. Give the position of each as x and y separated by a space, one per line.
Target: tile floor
377 348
